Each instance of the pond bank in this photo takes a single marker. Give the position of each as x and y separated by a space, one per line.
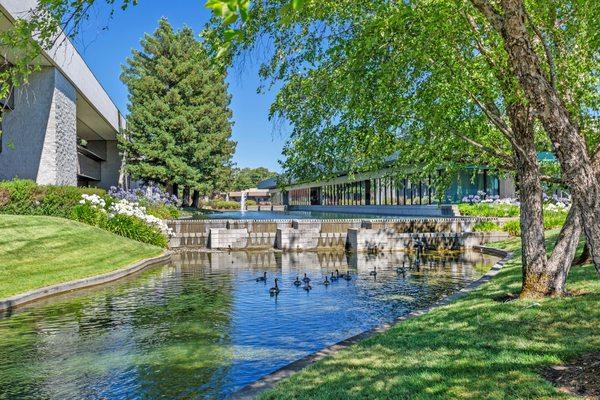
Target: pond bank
268 382
38 251
476 347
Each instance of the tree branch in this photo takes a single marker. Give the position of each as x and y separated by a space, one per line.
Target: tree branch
478 43
486 8
552 179
549 56
487 149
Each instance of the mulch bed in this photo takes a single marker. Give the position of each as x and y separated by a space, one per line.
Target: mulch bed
580 377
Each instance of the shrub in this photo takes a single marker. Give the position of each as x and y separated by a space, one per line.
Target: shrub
513 228
250 202
489 210
25 197
136 229
90 215
4 197
223 205
486 226
90 206
554 219
59 201
163 211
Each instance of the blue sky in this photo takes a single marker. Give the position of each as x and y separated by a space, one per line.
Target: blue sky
106 43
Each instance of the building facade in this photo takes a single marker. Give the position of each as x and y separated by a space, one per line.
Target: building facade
387 192
61 127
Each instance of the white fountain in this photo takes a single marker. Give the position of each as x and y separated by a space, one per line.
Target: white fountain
243 201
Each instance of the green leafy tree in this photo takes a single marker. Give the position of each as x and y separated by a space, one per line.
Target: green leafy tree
429 82
246 178
178 127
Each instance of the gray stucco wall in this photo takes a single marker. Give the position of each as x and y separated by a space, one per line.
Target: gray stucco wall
40 134
111 166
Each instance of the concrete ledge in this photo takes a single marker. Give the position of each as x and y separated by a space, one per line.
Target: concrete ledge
269 381
11 303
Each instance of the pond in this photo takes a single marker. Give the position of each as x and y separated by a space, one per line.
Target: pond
263 215
202 327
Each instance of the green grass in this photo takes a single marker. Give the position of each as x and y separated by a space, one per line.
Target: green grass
36 251
478 347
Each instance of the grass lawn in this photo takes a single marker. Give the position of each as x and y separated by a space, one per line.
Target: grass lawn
478 347
40 251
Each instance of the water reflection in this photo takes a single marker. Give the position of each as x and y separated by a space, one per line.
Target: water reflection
201 326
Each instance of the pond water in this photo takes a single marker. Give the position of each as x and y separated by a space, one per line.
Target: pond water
202 327
262 215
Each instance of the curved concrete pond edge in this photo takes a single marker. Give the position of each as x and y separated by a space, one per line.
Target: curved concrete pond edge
9 304
269 381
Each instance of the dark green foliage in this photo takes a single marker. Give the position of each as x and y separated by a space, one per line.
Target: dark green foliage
178 128
247 178
136 229
25 197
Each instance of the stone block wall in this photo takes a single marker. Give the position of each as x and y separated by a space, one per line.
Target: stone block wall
223 238
354 234
298 239
40 134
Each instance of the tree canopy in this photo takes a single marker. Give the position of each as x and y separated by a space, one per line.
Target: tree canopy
439 85
247 178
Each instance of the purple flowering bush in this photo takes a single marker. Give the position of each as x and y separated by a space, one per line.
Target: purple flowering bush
157 202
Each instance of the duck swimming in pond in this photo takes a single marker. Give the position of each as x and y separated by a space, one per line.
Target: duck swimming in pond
306 279
374 272
262 278
400 269
275 289
326 281
334 277
297 282
347 276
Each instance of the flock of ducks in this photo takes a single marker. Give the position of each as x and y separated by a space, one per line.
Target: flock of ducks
329 279
334 277
305 281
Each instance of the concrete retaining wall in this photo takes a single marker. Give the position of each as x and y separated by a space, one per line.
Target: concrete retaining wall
380 240
311 234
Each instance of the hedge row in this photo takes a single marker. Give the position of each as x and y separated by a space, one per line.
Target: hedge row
25 197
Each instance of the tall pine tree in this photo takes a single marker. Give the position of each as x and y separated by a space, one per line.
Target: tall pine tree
179 123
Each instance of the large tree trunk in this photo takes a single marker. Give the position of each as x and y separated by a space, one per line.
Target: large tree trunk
196 199
564 251
533 257
569 146
185 201
541 276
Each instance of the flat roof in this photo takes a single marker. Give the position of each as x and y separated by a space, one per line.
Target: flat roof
65 57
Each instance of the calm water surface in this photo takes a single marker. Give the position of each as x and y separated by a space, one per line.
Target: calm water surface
202 327
262 215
